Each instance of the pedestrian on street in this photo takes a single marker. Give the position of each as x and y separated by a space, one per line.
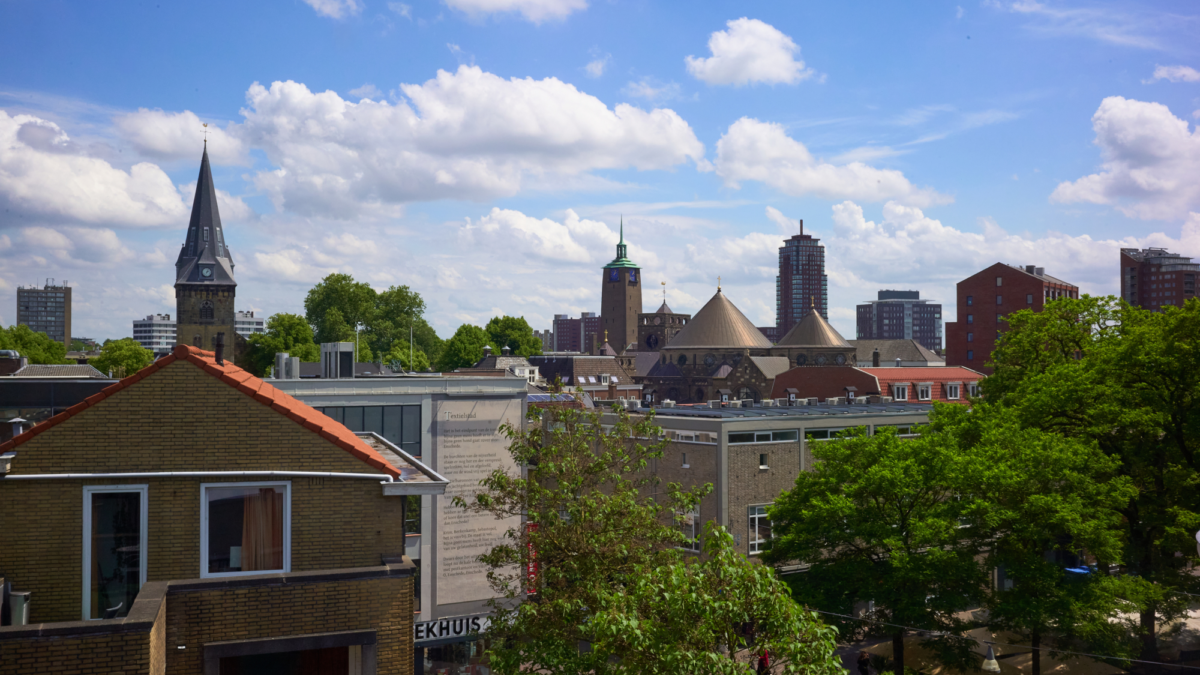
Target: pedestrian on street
864 663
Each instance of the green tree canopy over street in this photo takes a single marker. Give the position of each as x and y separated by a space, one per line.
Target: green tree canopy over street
125 357
339 303
289 333
514 333
1127 381
611 572
37 347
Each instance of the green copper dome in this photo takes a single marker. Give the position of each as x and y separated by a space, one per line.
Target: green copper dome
622 259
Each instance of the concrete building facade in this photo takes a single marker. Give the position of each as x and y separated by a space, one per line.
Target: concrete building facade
46 310
249 323
156 332
985 297
574 335
901 315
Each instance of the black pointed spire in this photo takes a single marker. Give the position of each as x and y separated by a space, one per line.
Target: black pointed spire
204 257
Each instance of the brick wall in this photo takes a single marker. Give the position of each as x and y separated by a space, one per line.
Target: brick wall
750 485
181 419
197 617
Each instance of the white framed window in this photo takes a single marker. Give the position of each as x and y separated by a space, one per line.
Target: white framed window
954 391
603 379
689 525
760 529
900 392
763 461
973 389
924 391
245 528
114 547
684 463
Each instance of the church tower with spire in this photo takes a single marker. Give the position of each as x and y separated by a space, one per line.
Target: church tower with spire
204 283
621 298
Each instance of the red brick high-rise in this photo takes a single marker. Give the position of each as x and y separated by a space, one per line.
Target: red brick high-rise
1153 278
984 299
802 284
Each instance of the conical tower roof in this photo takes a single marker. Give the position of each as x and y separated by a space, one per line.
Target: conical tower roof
663 309
719 324
813 331
205 246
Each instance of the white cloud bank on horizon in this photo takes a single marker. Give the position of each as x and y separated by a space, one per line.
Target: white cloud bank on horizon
44 176
1151 162
749 52
535 11
168 136
336 9
762 151
1174 74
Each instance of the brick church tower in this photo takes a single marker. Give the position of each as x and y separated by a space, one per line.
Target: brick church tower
204 283
621 299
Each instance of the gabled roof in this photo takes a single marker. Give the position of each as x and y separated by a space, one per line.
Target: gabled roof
813 331
719 324
663 309
72 370
771 366
919 374
890 350
235 377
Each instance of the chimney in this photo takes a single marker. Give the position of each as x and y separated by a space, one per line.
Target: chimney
875 358
897 361
1040 271
220 350
18 426
612 388
505 350
487 351
1031 269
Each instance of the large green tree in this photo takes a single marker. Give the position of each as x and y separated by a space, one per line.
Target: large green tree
123 357
514 333
611 573
37 347
878 521
1037 503
1128 381
289 333
338 304
465 348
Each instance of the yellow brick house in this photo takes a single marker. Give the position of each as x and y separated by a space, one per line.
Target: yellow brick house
195 519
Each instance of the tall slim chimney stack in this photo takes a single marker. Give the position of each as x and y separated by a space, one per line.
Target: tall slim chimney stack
220 351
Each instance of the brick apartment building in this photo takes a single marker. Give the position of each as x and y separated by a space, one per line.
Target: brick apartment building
227 528
1154 278
983 300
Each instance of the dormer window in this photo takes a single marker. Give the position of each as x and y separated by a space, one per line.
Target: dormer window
206 234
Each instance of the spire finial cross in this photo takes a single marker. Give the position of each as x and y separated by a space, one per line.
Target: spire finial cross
718 283
664 285
205 134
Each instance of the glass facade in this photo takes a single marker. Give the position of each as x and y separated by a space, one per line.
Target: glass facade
399 424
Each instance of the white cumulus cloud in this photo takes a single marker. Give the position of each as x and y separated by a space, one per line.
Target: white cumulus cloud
1174 74
536 11
173 136
45 176
336 9
99 246
762 151
750 51
1151 162
463 135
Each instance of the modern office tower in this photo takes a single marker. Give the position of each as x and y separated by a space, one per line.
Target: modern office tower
1154 278
46 310
984 299
156 332
247 324
570 335
901 315
801 283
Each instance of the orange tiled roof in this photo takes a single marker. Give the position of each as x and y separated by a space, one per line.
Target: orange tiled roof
239 379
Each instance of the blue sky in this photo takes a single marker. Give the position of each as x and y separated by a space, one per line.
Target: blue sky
483 151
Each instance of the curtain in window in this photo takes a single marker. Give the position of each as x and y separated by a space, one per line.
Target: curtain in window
262 530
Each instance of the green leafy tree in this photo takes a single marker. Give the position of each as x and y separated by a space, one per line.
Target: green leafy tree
124 357
336 305
878 520
515 333
1127 380
402 358
611 573
465 348
289 333
37 347
1038 502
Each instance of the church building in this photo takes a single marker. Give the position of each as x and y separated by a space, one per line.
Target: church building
204 283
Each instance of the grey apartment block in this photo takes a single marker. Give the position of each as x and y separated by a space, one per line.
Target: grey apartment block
249 323
156 332
46 310
717 449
